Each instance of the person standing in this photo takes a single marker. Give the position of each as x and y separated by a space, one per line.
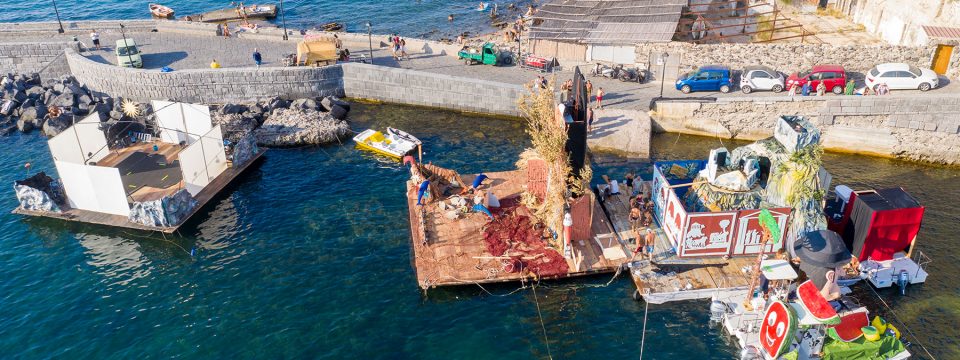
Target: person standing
849 89
821 88
589 87
257 58
95 37
337 42
600 94
649 240
403 49
793 90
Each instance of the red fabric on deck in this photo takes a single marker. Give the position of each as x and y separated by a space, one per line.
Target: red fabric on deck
515 234
891 231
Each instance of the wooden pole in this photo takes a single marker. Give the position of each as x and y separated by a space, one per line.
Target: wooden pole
755 278
420 152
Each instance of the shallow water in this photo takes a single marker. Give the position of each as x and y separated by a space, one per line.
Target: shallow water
412 18
307 255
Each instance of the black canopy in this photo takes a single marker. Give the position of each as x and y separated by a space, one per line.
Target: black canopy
577 131
823 248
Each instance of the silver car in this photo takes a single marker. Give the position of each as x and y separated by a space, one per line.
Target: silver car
760 78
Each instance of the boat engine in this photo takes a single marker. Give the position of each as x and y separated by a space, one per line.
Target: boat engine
903 279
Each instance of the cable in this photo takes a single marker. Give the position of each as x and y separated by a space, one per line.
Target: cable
542 326
905 327
643 334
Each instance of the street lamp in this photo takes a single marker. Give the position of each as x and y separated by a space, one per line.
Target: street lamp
283 20
57 11
663 71
370 39
126 46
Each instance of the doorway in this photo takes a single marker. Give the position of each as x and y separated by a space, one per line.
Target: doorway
941 59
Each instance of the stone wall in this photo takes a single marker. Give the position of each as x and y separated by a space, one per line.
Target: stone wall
787 57
79 28
413 87
922 127
206 85
26 58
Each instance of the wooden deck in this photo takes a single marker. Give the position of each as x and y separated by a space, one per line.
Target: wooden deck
454 253
203 197
668 277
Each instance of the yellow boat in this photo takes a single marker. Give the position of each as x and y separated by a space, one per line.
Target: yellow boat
395 143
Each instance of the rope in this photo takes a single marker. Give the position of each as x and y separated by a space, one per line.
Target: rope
643 334
542 326
904 324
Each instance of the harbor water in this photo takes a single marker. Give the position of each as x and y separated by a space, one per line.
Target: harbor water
308 256
409 18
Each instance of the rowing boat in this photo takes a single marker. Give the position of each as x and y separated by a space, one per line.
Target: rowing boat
395 143
161 11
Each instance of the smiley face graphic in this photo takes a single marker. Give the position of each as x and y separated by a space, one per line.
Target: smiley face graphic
776 331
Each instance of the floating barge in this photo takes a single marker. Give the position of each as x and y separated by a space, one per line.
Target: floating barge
151 184
452 251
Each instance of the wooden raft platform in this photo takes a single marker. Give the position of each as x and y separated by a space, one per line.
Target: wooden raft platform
670 278
203 197
267 11
454 252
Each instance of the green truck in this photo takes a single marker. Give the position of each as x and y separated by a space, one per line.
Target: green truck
487 54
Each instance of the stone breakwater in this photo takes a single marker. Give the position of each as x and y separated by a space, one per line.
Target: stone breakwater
922 127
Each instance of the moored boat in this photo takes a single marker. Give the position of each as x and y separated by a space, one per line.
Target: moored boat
394 143
161 11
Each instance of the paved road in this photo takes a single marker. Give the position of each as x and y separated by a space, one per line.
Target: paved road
185 51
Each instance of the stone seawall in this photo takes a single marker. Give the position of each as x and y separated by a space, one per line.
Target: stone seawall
25 58
921 127
206 85
788 57
428 89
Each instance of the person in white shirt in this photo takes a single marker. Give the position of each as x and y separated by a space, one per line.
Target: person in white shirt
95 36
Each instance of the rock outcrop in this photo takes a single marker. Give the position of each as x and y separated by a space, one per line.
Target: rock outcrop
299 127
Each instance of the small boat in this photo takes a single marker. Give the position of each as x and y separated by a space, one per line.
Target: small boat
395 143
161 11
483 6
331 26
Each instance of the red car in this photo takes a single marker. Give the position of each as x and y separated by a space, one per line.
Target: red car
834 77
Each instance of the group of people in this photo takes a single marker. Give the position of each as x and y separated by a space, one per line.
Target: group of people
641 219
399 47
849 89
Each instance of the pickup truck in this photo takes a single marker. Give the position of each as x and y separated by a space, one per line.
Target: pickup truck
487 54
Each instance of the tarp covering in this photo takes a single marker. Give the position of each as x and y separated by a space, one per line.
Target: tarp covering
885 348
883 223
823 248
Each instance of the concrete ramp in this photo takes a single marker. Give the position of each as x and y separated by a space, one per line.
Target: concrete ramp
622 132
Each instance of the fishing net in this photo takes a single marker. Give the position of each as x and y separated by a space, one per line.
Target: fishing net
515 236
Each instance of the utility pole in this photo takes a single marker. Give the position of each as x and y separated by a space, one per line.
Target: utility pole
370 39
663 71
283 20
57 11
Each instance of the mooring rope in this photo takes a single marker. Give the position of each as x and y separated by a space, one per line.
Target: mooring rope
542 326
905 327
643 334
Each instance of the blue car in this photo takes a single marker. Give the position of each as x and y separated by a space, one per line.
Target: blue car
707 78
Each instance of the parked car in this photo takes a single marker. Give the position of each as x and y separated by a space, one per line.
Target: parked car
902 76
706 78
834 76
128 55
760 78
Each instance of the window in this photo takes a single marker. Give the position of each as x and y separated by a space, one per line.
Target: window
760 75
889 74
904 74
828 75
874 72
702 76
915 71
714 76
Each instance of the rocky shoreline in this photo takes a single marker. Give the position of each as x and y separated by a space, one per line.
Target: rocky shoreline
53 105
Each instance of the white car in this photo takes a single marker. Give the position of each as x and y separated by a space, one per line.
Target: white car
760 78
902 76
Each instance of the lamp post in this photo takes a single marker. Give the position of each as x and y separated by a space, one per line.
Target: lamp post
57 11
370 39
126 45
663 71
283 20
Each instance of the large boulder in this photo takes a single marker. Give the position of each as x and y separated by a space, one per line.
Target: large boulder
100 108
298 127
54 126
33 113
35 92
305 104
64 100
330 101
234 126
25 125
230 109
8 106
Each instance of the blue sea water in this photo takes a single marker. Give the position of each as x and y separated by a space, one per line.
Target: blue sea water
412 18
307 256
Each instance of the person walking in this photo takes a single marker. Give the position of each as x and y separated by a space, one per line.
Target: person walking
403 49
95 37
600 94
257 58
821 88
